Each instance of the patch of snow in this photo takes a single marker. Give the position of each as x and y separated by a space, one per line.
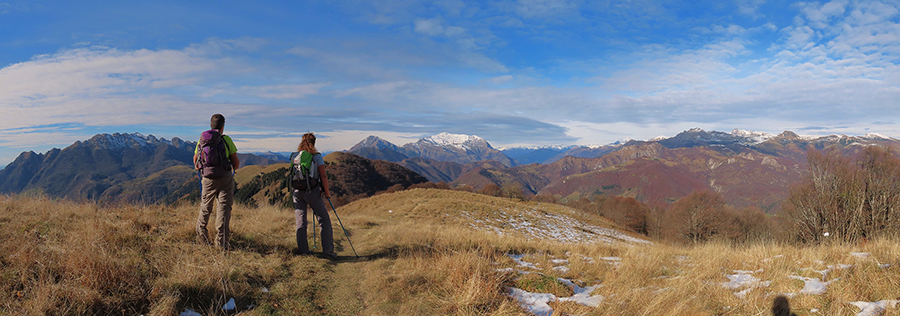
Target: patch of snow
561 269
537 224
559 261
874 308
875 135
742 279
452 140
840 266
753 136
535 303
614 261
521 263
860 254
582 295
813 286
742 294
611 258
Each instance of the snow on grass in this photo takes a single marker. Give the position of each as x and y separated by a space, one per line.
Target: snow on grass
535 303
538 303
813 286
518 260
537 224
743 279
582 294
874 308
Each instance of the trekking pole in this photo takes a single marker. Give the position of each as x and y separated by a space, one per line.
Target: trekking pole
342 227
314 230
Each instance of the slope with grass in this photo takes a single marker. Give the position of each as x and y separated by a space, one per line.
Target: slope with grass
422 252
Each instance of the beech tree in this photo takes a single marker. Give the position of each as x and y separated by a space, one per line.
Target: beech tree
491 190
626 211
697 217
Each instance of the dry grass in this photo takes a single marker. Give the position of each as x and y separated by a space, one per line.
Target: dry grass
419 256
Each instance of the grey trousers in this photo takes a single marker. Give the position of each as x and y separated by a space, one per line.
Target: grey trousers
313 199
219 191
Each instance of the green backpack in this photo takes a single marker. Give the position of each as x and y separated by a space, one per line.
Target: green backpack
304 171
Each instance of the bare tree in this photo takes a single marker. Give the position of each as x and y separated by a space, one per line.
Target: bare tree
847 199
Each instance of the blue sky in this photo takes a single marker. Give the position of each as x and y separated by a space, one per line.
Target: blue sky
526 72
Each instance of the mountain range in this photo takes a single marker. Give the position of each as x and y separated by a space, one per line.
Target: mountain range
750 169
110 167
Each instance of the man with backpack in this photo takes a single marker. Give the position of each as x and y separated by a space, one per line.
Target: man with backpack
215 158
310 182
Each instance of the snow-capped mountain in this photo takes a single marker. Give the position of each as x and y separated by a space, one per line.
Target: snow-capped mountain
456 148
459 141
441 147
135 140
753 136
698 137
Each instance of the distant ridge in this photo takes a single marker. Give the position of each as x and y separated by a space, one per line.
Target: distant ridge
750 169
101 167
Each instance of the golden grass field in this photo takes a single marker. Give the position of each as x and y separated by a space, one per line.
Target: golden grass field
420 254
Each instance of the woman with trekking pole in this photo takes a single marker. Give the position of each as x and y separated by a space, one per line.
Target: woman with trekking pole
310 182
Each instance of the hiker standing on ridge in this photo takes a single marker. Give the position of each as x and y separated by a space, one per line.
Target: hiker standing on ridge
310 183
215 158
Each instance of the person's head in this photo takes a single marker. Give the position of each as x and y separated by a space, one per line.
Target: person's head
217 122
308 143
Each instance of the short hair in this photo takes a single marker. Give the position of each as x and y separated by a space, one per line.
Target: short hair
217 121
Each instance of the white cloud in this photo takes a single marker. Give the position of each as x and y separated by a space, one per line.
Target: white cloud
26 138
217 46
327 141
85 72
280 92
500 79
750 7
546 8
431 27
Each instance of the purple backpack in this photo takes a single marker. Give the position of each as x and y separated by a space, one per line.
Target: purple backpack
213 161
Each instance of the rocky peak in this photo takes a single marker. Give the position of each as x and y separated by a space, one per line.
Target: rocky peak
374 142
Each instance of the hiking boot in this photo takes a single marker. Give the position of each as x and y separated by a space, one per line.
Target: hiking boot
297 252
330 255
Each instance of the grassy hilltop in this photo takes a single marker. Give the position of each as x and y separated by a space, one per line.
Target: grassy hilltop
422 252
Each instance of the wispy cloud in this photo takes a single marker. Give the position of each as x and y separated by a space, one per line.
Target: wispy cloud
511 71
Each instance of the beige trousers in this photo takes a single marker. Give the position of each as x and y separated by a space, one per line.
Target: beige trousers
219 191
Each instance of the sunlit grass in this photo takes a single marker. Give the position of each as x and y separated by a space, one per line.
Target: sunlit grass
419 255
